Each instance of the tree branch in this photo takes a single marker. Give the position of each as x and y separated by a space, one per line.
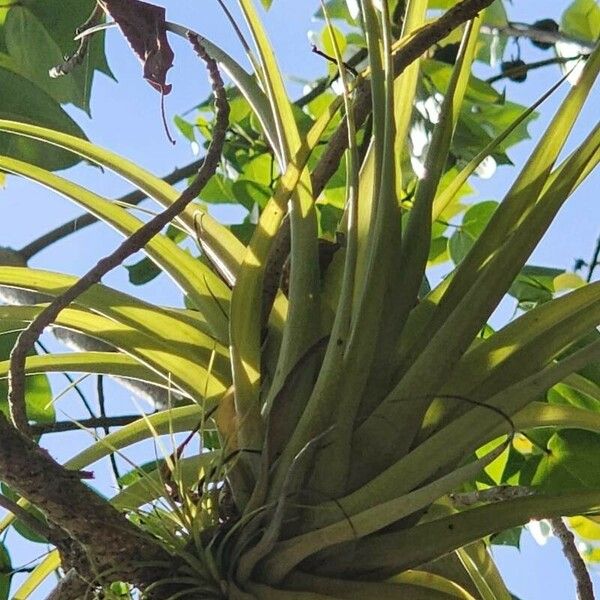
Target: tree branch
93 423
78 223
585 589
594 262
131 245
523 30
522 69
112 543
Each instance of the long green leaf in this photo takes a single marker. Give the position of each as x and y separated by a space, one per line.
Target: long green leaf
223 243
103 363
198 281
289 553
44 569
171 329
246 303
517 351
524 193
444 198
444 348
394 552
416 585
176 364
464 435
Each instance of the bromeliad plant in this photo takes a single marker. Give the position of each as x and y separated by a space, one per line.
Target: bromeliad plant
352 405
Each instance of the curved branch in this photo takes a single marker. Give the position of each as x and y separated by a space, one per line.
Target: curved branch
16 396
111 543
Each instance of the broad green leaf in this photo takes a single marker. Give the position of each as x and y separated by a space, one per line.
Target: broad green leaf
509 537
582 20
534 285
336 9
474 222
165 422
38 395
492 50
73 13
572 462
5 573
327 44
32 47
145 270
20 99
544 415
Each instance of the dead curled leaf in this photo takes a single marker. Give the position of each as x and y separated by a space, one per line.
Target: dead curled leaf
144 27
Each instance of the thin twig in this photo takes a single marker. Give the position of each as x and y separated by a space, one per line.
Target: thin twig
332 59
78 223
594 262
73 383
585 589
102 406
523 69
323 83
73 61
93 423
524 30
16 396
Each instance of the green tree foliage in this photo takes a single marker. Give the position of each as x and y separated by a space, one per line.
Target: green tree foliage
365 433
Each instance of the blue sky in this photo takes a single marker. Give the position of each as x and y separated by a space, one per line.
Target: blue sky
126 119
